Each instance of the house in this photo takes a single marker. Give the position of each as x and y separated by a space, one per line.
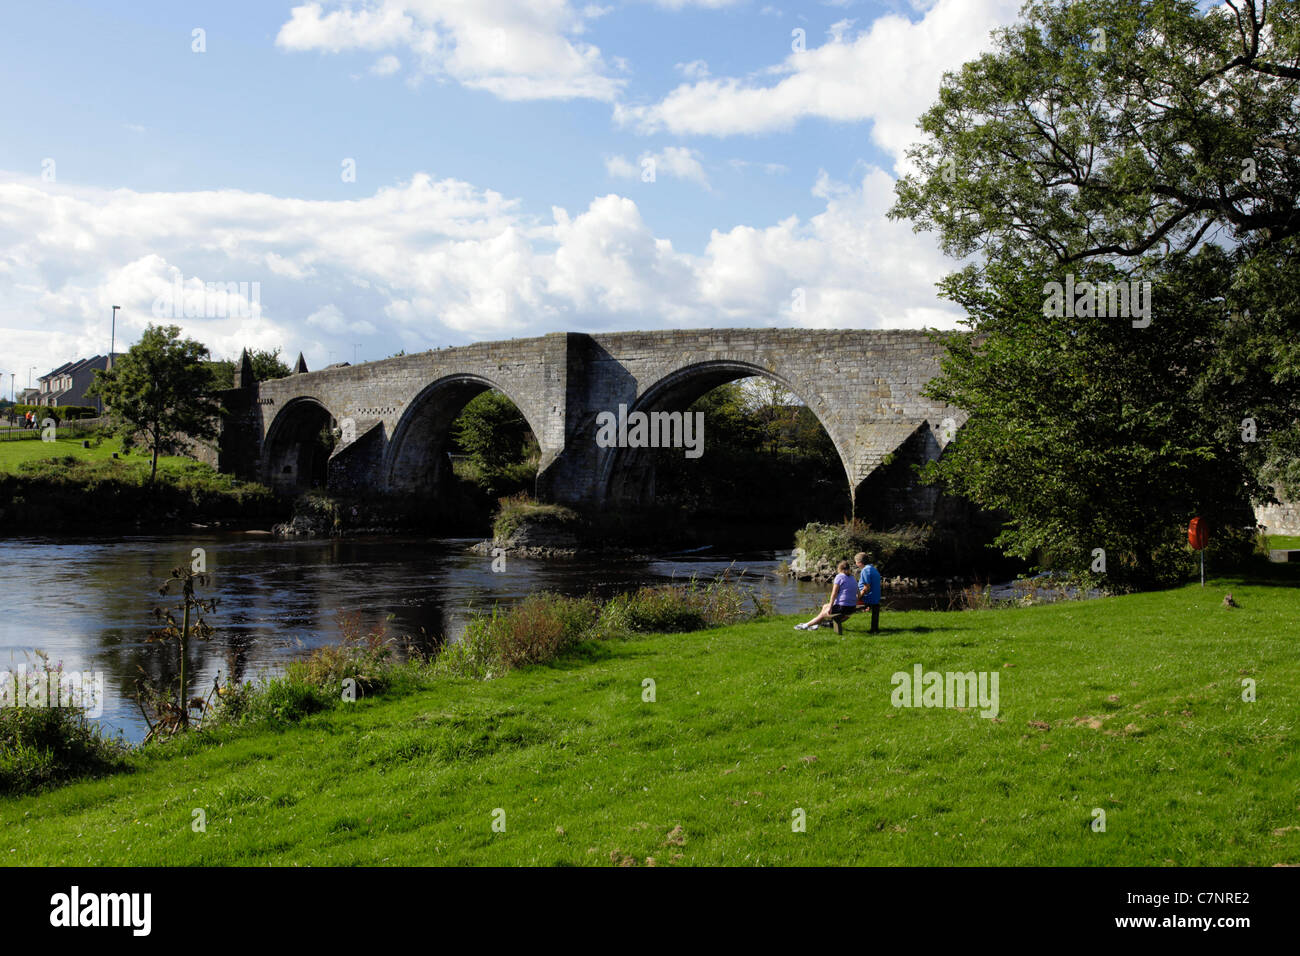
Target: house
67 384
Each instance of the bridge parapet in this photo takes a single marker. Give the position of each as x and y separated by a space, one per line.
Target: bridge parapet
393 415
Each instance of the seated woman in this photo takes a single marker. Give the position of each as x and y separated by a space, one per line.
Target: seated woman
843 602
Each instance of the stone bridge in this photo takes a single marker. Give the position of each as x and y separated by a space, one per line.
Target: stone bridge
395 415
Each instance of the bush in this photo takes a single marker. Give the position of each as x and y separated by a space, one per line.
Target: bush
365 657
673 609
536 631
907 551
40 746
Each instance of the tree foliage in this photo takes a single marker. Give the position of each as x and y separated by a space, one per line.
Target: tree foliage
496 437
1120 140
266 363
158 393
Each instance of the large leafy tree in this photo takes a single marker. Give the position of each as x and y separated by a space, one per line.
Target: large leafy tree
1114 140
158 393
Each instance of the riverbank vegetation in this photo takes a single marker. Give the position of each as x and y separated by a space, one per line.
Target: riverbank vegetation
910 552
44 745
701 747
87 490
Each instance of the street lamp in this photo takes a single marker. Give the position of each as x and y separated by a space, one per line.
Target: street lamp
112 338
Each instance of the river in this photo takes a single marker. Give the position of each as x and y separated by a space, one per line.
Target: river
88 602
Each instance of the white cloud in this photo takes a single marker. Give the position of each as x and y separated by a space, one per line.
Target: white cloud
694 70
620 167
515 49
435 263
678 162
887 72
386 65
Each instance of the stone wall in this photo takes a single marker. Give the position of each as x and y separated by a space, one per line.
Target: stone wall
864 387
1283 518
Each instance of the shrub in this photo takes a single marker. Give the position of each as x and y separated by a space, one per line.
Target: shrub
536 631
365 657
671 608
40 746
910 550
542 627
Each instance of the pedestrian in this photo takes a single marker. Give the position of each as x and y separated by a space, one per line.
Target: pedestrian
843 602
869 588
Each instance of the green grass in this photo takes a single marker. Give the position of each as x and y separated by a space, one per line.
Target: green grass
14 453
1130 704
1283 541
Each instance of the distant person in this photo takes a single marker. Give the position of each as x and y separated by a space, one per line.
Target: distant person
843 602
869 588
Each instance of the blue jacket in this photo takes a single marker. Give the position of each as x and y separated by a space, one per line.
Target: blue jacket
869 578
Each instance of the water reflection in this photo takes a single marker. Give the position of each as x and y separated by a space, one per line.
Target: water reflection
88 602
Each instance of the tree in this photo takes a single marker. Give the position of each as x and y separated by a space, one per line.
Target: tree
158 393
495 435
1119 141
266 365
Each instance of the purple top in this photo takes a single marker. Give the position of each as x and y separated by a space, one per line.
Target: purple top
846 591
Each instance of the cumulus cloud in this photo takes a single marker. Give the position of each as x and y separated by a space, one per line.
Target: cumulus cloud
887 72
515 49
434 262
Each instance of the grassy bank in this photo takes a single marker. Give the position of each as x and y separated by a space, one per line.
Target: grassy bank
60 486
13 454
1130 704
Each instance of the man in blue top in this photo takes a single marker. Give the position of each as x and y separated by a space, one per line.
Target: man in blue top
869 588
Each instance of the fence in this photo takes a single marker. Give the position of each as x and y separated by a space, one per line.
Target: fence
72 429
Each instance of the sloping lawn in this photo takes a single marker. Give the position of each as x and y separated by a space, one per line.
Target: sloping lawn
13 453
1130 705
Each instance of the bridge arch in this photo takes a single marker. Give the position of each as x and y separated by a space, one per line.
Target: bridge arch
416 459
293 456
626 475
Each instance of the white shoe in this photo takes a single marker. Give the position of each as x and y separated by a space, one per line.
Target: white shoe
801 627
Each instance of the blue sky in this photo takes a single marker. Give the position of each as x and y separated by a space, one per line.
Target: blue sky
500 149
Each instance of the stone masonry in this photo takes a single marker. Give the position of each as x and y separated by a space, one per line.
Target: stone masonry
393 416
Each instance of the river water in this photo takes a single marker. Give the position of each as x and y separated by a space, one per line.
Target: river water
88 602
